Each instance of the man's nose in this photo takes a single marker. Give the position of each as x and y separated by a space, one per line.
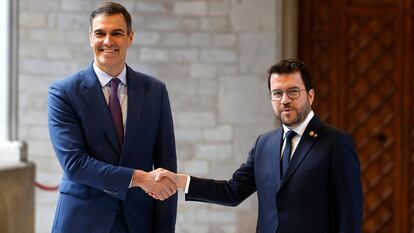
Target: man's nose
285 98
108 40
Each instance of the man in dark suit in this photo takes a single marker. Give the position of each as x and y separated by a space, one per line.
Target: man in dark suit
110 126
306 173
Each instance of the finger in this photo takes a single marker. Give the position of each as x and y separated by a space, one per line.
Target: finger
169 191
165 194
160 196
172 187
160 175
160 191
157 171
169 186
153 196
160 169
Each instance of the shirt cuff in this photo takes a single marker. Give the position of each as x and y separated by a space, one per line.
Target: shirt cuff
130 183
187 185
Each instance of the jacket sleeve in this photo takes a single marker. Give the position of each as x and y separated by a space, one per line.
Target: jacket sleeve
165 157
68 142
347 185
225 192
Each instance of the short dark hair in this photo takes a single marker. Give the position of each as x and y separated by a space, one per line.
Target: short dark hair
112 8
289 66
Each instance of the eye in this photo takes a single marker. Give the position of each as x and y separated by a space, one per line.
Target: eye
98 34
117 34
277 93
293 91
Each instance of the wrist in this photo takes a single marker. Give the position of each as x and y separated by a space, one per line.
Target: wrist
182 181
137 179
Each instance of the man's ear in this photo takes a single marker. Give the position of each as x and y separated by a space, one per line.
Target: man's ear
131 37
311 96
90 37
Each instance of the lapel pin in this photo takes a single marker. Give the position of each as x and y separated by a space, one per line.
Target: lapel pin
313 134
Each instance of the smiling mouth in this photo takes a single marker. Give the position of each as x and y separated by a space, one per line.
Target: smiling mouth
109 50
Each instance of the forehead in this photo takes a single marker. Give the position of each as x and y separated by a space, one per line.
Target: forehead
111 22
283 81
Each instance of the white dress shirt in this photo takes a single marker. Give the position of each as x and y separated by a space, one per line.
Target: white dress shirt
299 130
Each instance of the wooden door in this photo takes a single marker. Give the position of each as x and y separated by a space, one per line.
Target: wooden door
361 55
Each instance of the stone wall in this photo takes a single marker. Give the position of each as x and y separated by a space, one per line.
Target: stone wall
212 55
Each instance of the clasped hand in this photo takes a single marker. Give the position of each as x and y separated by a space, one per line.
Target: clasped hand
160 184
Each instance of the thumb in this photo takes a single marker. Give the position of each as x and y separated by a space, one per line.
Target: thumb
159 176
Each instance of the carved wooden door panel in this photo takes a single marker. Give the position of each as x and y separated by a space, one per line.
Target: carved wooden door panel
361 55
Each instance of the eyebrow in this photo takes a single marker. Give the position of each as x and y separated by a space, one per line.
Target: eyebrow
115 30
289 88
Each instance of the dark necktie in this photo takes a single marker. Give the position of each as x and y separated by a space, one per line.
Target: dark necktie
286 152
116 112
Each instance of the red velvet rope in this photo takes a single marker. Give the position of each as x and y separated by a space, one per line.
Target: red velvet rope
46 187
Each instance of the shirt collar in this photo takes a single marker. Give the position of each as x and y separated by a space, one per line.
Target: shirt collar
105 78
300 129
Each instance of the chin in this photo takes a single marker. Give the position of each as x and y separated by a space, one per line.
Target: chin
289 122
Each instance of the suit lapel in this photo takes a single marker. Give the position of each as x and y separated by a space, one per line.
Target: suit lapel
136 96
95 100
309 137
276 159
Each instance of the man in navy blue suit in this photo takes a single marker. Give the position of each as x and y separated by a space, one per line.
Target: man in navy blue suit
306 173
110 127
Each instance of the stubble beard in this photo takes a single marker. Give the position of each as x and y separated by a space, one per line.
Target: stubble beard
301 115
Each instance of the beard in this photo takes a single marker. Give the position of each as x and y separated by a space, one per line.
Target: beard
297 115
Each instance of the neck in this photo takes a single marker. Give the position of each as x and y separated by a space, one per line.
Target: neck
113 71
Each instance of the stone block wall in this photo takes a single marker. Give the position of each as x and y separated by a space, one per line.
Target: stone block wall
212 55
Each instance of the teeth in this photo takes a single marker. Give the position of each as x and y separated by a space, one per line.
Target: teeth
108 50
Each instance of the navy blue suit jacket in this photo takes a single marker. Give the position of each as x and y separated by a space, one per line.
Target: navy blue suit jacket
97 172
320 192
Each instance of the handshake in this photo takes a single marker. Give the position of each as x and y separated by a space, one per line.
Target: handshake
160 184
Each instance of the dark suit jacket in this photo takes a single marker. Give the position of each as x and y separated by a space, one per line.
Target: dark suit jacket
96 172
319 193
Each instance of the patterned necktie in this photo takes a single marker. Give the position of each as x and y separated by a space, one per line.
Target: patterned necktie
286 152
116 112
